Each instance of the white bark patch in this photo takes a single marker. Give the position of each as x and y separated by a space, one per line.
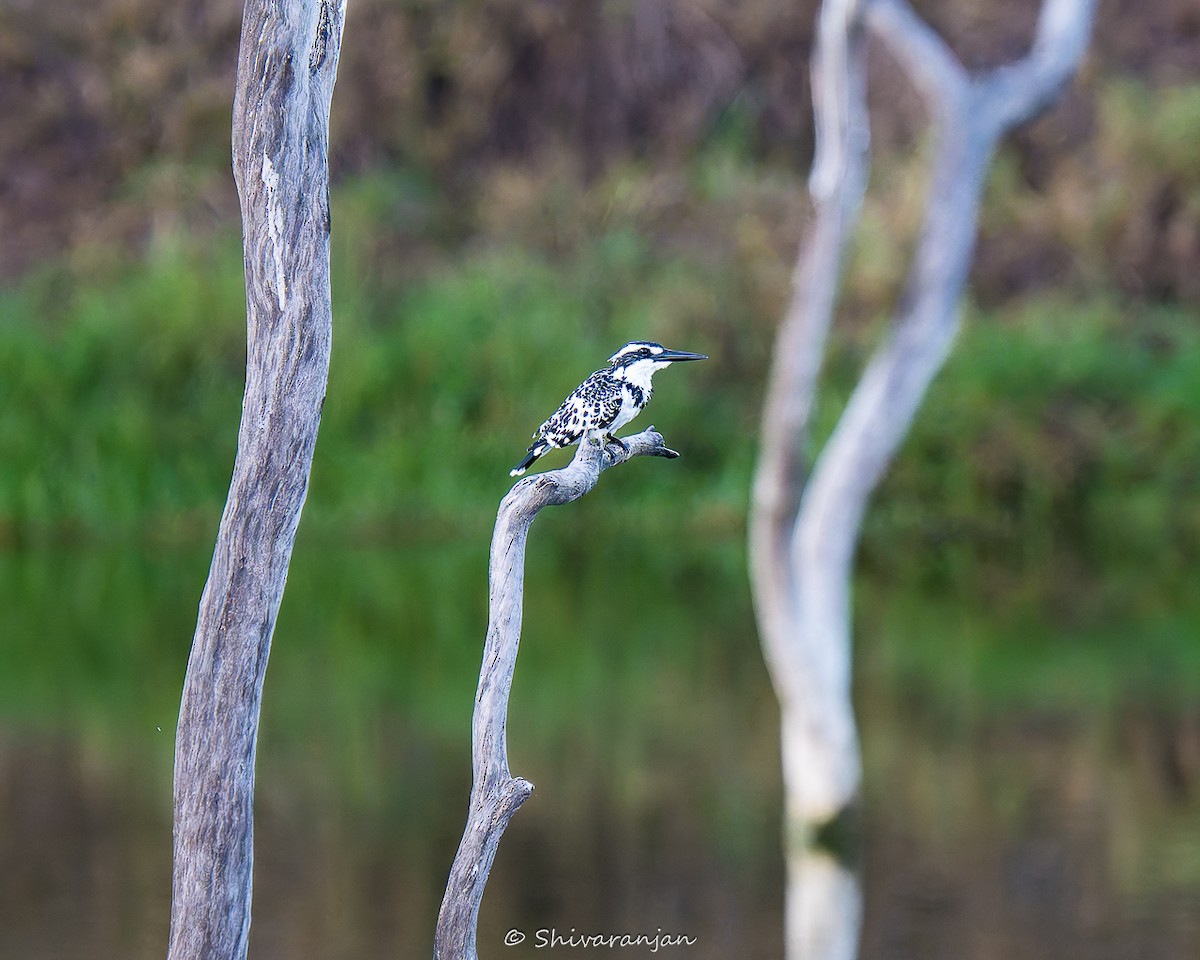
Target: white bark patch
270 179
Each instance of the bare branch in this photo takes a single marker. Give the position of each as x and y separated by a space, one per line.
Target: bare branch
1018 92
933 67
495 794
1000 99
842 132
970 119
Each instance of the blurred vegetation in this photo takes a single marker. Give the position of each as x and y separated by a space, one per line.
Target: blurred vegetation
520 187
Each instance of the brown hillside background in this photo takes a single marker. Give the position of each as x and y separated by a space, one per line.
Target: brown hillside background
116 119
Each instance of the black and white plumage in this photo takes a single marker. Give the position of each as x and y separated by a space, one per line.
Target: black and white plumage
605 401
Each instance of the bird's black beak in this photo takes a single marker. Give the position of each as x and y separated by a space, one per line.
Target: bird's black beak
674 356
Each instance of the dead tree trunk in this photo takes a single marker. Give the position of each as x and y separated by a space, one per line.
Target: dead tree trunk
805 525
287 63
802 636
495 793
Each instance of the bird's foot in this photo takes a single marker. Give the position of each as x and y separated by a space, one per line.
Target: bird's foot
616 442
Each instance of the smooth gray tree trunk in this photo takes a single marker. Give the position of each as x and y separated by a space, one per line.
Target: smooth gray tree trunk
805 523
287 64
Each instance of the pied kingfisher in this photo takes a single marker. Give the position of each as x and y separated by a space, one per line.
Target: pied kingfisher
605 401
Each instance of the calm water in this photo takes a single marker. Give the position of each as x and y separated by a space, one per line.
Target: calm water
642 713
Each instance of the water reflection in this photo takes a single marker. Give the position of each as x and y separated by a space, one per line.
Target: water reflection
824 908
1030 833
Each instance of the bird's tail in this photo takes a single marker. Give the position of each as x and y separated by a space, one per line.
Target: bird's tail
535 451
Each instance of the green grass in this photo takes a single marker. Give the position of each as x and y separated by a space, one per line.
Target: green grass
1060 437
112 389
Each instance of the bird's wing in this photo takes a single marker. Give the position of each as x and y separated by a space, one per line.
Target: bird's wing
594 403
607 403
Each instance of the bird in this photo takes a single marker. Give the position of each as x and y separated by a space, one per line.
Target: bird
605 401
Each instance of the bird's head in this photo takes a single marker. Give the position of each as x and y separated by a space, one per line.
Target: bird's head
638 360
